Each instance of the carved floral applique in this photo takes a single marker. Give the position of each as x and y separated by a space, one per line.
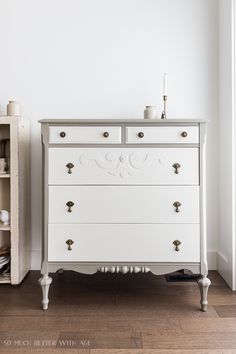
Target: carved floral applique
121 164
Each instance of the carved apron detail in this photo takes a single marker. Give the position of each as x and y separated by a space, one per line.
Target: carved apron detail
124 269
122 165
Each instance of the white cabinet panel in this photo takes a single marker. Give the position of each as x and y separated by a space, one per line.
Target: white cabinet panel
137 243
124 166
123 204
85 135
162 135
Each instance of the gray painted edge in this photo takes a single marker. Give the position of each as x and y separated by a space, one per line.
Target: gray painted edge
122 121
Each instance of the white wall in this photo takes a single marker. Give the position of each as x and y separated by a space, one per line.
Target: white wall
227 138
105 59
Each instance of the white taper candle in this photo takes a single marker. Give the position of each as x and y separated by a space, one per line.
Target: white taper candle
164 85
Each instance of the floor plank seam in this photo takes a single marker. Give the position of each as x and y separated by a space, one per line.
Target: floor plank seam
141 336
180 325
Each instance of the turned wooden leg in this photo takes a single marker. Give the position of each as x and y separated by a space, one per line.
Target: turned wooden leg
45 282
204 284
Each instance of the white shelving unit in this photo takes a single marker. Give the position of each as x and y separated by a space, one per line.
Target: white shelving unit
5 228
15 197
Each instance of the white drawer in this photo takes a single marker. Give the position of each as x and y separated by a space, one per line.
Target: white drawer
84 135
123 243
123 204
162 135
124 166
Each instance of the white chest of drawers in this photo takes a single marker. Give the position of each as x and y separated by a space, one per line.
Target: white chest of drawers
124 196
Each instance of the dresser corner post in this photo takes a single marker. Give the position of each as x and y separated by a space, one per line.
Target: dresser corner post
45 282
204 284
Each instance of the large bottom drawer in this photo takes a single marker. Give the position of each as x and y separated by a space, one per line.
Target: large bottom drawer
123 242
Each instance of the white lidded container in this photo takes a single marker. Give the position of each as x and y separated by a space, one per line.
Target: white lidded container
13 108
5 217
2 166
150 112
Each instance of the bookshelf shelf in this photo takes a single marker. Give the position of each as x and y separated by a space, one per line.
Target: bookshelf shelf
5 227
5 280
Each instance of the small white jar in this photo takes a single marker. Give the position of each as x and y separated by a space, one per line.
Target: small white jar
150 112
13 108
2 166
5 217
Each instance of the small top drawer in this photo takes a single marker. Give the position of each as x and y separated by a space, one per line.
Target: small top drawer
162 135
84 135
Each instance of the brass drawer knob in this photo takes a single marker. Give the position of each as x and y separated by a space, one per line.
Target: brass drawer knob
70 205
177 243
70 166
177 205
106 134
176 167
69 243
184 134
140 134
62 134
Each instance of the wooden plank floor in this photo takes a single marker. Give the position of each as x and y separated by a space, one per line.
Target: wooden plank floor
117 314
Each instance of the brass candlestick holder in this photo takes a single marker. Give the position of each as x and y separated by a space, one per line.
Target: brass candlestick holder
163 115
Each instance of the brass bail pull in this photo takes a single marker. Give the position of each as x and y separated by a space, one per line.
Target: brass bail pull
70 166
70 205
177 243
69 243
176 167
177 205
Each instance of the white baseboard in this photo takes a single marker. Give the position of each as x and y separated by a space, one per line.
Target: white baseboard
224 269
36 259
212 259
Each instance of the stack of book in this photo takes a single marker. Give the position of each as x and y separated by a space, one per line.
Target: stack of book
5 261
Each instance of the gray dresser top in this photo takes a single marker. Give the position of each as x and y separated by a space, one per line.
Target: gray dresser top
122 121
